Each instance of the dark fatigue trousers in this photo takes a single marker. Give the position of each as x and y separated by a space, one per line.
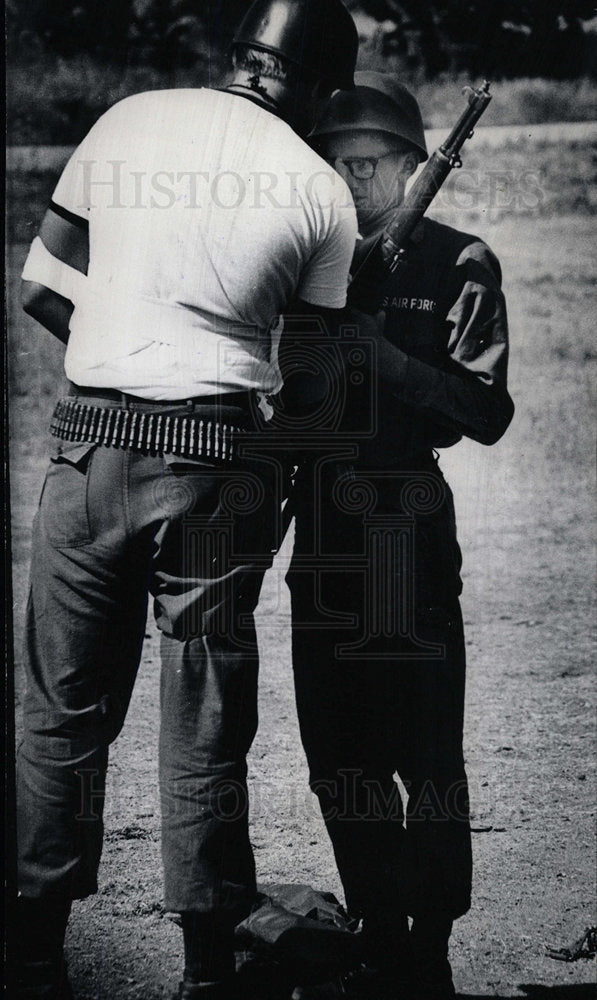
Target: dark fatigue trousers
112 526
379 668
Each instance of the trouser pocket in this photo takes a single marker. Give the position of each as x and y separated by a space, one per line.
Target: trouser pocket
64 509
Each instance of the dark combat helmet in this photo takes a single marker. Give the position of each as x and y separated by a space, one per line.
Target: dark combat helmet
378 102
319 35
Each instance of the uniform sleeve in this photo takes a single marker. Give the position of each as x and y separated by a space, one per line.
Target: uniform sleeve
469 394
324 281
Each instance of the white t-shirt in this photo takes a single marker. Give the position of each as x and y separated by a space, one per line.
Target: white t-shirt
207 215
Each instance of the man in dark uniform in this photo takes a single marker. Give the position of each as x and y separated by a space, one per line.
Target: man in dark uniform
378 646
163 269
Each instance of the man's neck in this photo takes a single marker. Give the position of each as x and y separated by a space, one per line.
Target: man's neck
376 220
273 95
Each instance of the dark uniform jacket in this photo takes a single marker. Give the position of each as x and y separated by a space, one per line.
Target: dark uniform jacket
444 310
378 642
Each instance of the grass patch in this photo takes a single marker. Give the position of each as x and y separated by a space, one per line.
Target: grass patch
515 102
523 178
55 101
28 196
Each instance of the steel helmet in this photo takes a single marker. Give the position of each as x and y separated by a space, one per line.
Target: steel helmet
319 35
378 102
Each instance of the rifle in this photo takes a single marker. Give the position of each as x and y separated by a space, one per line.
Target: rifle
391 245
389 249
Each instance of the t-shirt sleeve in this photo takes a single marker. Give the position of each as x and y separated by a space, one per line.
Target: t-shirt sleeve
73 194
324 280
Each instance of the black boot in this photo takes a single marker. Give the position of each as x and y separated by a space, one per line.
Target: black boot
430 936
386 946
41 969
209 958
387 969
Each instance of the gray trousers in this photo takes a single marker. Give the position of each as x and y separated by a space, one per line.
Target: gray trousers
114 526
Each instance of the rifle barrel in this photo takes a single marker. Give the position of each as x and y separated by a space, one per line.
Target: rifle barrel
478 101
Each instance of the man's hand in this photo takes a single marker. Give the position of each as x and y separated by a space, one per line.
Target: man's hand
386 362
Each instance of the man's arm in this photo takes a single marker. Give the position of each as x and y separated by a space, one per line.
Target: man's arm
58 259
308 354
50 309
469 394
310 360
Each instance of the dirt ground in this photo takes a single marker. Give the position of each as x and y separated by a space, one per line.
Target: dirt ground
525 522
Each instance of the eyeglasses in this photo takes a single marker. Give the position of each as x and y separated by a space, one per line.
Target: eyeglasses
363 168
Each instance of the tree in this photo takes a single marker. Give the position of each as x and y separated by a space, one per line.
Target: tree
496 38
158 31
98 26
503 37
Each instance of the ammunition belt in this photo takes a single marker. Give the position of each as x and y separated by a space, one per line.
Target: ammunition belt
185 435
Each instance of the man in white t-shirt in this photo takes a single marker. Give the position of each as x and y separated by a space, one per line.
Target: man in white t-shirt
183 226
